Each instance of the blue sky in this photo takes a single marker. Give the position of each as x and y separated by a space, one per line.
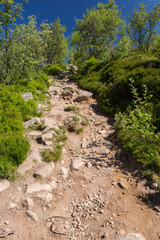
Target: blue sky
68 10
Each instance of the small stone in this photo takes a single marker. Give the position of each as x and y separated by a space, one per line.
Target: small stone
104 236
32 215
84 143
7 222
53 183
64 172
88 164
12 205
29 203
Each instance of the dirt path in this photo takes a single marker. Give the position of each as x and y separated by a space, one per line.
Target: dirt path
92 193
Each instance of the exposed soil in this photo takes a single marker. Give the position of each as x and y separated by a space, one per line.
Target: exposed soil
105 198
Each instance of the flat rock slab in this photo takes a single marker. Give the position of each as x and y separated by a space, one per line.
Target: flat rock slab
83 96
132 236
4 184
37 187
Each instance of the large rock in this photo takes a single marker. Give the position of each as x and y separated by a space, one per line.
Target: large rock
4 184
83 96
76 164
54 89
37 187
44 171
26 96
132 236
32 122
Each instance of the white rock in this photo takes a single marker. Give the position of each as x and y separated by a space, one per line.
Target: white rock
76 164
29 203
53 183
4 184
84 143
37 187
45 171
12 205
32 215
64 172
132 236
45 197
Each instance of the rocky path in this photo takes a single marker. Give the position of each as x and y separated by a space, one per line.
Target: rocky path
93 193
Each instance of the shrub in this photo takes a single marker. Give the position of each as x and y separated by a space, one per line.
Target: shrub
53 70
137 133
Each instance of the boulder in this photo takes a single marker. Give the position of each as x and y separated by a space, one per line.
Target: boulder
44 171
83 96
26 96
54 89
4 184
132 236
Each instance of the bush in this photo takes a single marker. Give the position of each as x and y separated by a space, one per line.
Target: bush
13 111
137 133
53 70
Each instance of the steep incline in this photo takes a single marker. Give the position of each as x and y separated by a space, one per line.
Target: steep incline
94 192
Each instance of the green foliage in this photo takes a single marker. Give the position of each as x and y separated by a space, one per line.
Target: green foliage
137 133
53 156
53 70
72 109
143 24
55 46
13 111
80 130
96 34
